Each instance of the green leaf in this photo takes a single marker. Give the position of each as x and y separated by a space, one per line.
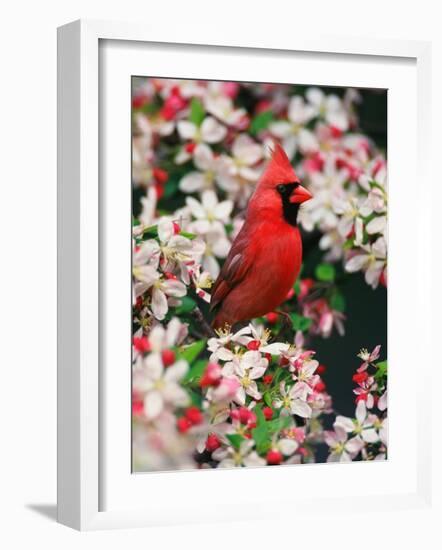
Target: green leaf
188 235
280 375
195 372
170 188
187 305
299 322
349 243
337 301
261 433
150 108
279 424
267 399
197 111
381 370
235 440
229 228
325 272
191 352
196 397
150 232
261 122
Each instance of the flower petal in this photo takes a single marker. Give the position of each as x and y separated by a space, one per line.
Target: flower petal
354 445
287 446
153 404
212 131
361 412
159 304
301 408
275 349
376 225
196 208
345 423
147 274
370 435
356 263
174 288
203 157
186 129
176 395
223 210
176 371
194 181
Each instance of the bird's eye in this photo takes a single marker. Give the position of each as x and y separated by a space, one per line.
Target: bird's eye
281 189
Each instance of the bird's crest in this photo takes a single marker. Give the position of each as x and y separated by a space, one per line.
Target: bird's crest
279 169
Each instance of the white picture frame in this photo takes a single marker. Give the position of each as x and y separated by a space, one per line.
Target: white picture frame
81 446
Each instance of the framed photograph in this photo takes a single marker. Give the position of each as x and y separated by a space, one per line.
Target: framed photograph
234 237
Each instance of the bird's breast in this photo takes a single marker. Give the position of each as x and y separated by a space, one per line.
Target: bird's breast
276 265
283 255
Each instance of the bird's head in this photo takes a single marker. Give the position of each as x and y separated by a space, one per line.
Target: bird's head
279 191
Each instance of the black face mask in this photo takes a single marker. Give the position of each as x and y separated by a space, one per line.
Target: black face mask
289 209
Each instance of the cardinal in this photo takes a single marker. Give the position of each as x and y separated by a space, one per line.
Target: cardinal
265 258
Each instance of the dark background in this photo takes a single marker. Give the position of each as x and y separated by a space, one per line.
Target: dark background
365 326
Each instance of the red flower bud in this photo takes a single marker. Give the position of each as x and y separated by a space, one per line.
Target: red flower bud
159 190
341 163
246 416
267 378
361 397
137 407
141 344
194 415
211 375
360 377
321 369
272 317
335 132
160 175
254 345
168 357
190 147
212 443
139 101
268 413
274 457
183 424
263 105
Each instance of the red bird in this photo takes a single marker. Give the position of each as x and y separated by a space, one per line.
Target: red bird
266 256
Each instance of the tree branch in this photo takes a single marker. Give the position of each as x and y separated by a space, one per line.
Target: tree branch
199 318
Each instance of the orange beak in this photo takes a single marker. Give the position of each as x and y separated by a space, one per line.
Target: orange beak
300 195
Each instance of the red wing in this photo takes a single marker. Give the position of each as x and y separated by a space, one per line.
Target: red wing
232 273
